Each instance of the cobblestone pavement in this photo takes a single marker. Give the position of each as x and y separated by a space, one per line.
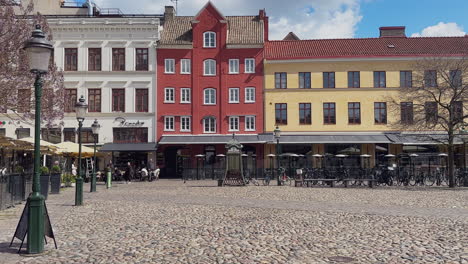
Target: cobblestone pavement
171 222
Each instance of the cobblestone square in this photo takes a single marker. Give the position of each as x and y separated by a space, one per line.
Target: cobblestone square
171 222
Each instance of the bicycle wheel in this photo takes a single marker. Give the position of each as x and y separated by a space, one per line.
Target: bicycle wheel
429 180
412 180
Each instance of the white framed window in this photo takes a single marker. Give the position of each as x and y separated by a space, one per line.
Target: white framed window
233 123
169 66
209 67
209 96
168 123
209 39
233 95
185 95
185 66
250 95
250 123
249 65
185 123
209 125
169 96
233 66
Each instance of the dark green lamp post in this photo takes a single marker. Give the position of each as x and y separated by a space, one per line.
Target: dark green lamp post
80 109
39 50
277 134
95 127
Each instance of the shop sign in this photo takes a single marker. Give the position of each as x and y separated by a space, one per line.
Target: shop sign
124 123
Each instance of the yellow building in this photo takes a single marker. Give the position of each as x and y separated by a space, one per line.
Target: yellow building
331 97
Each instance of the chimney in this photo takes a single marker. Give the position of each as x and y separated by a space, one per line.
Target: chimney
169 12
262 16
392 32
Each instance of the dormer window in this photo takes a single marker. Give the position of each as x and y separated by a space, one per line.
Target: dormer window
209 39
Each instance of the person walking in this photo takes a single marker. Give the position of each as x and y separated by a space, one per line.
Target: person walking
128 173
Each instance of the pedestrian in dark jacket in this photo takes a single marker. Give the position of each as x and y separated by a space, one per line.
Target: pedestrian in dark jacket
129 173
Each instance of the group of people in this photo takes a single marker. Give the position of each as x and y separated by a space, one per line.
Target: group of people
130 173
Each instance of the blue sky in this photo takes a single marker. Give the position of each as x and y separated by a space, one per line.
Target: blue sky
329 18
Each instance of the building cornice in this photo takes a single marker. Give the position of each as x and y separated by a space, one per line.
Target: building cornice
244 46
174 46
313 90
355 59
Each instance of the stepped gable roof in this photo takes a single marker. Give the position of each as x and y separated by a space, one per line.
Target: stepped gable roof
241 30
366 47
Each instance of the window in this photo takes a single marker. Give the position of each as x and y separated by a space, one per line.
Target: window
209 96
169 66
87 136
23 133
209 125
69 135
169 95
457 111
354 79
185 123
185 96
250 123
329 113
233 95
118 100
380 113
249 66
209 40
141 98
141 59
52 135
70 100
250 95
94 100
354 113
380 79
234 123
281 80
456 78
305 114
185 67
94 59
118 59
24 100
431 112
304 80
281 114
209 67
233 66
130 135
406 112
71 59
328 80
406 79
2 132
168 123
430 78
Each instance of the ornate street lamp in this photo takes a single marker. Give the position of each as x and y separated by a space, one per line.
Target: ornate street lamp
464 137
80 109
39 50
95 127
277 134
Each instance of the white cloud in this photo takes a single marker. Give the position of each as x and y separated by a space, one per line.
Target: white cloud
441 30
306 18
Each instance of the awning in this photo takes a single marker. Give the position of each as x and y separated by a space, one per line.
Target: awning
215 139
337 139
422 139
129 147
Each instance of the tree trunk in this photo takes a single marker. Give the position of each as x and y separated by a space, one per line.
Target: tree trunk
451 166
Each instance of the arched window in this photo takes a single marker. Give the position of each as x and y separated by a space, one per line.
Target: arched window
209 67
209 124
209 39
209 95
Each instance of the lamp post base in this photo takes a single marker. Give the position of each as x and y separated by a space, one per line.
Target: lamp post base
35 242
93 183
79 192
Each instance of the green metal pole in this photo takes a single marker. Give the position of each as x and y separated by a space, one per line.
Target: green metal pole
277 163
79 179
93 178
35 244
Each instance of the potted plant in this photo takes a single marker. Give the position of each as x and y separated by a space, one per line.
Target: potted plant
55 179
68 179
45 180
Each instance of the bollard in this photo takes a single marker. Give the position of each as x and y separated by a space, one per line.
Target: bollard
109 180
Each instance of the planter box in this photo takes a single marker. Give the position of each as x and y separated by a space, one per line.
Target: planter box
45 180
55 183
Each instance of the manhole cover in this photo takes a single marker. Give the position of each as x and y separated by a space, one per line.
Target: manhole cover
341 259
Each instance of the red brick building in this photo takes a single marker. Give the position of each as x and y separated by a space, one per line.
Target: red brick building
210 86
